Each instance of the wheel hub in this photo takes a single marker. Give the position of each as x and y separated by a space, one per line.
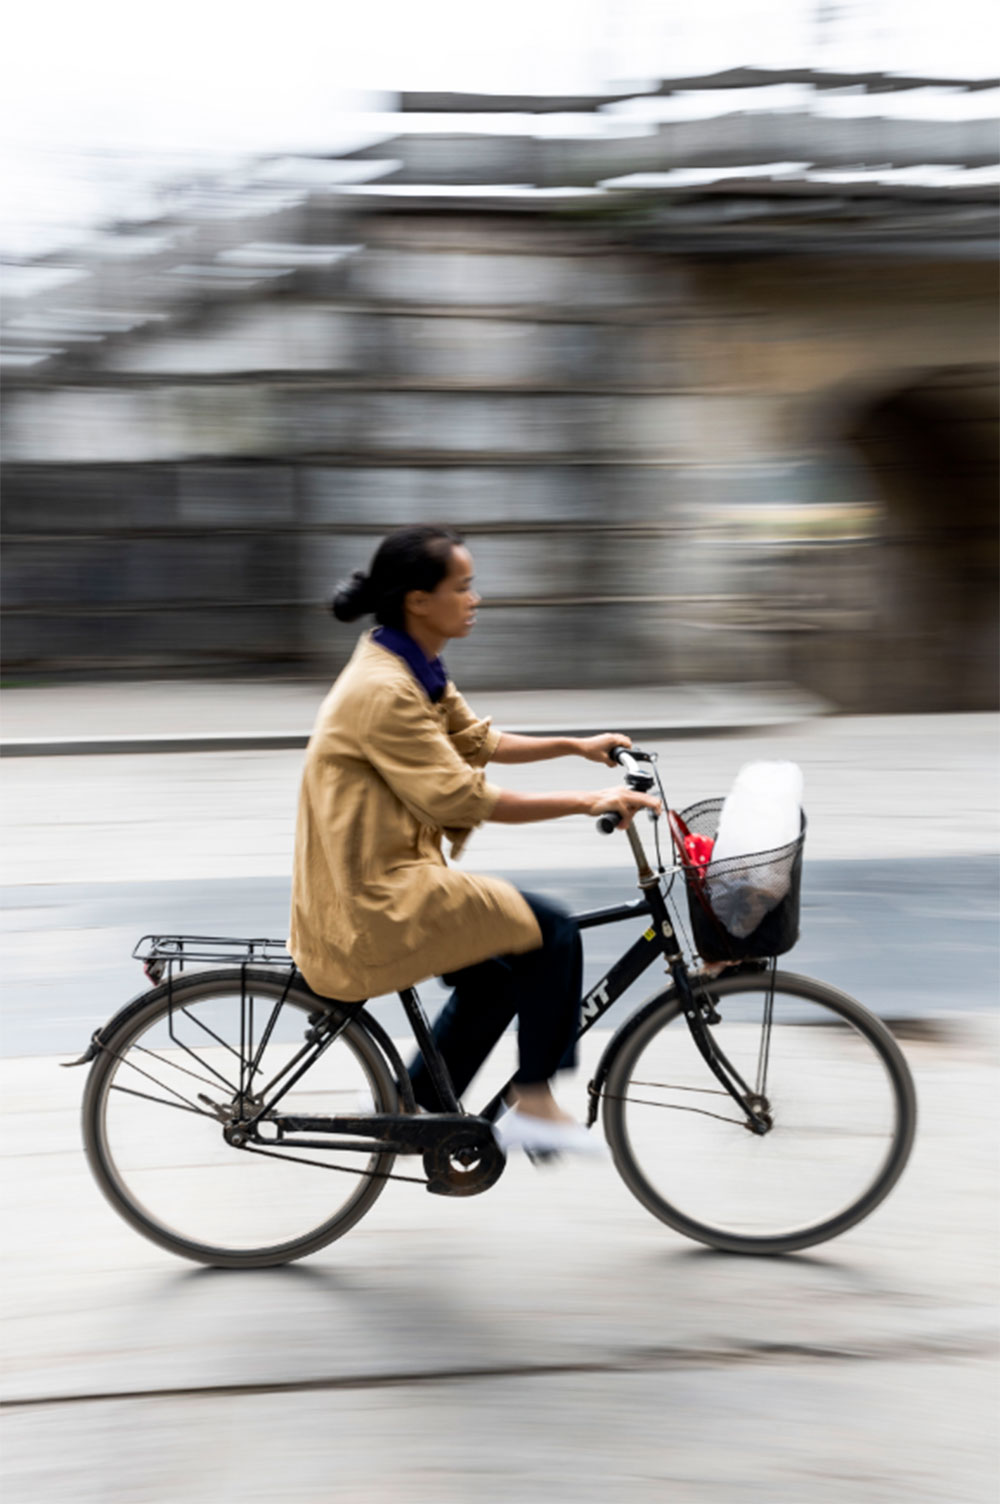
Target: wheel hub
762 1121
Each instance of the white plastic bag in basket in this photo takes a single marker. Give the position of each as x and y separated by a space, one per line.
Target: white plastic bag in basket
762 811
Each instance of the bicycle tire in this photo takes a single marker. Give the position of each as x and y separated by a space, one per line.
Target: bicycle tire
105 1159
794 997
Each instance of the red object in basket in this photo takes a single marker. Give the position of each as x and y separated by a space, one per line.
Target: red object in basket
698 850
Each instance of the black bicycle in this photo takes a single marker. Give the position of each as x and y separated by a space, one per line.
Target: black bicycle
748 1108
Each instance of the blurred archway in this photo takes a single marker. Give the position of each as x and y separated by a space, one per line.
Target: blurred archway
932 450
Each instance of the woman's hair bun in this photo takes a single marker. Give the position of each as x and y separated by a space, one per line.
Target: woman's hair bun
354 597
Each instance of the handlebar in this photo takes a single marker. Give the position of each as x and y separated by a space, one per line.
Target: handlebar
626 761
636 778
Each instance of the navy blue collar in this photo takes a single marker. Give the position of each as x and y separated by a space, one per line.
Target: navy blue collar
430 673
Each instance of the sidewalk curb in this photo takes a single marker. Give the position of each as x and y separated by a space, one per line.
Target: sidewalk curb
279 741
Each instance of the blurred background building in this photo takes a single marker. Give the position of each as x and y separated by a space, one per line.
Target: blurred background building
705 368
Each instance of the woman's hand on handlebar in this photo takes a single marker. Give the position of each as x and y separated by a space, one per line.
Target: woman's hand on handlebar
624 802
598 748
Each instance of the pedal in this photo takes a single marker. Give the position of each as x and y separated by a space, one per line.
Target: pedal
542 1157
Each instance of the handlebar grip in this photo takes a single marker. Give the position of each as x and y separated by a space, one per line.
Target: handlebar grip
608 822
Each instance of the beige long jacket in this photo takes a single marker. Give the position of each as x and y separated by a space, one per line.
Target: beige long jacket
375 907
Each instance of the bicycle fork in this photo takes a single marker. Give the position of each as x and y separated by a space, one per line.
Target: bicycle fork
699 1012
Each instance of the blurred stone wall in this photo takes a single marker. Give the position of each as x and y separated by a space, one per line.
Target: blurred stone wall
668 470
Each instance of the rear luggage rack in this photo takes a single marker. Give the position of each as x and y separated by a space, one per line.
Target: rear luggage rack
157 952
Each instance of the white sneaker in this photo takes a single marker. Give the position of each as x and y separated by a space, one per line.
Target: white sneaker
520 1130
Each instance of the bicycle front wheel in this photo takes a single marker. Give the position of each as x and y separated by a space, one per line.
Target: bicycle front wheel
831 1080
160 1095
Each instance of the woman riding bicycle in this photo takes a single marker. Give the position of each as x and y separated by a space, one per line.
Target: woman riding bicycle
396 762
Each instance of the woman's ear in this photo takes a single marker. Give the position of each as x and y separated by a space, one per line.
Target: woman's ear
415 602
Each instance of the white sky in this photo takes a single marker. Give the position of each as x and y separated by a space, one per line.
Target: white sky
217 75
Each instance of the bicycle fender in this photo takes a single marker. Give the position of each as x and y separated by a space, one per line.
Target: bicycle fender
595 1086
125 1013
100 1037
385 1044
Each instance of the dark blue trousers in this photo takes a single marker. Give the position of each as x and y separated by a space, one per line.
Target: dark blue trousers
541 988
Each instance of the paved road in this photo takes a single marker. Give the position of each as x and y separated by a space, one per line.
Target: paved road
876 787
900 883
549 1340
914 939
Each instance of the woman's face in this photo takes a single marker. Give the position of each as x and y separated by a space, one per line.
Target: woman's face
450 609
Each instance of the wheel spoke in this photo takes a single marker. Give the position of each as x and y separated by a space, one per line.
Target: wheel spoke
162 1102
140 1072
175 1065
708 1091
678 1107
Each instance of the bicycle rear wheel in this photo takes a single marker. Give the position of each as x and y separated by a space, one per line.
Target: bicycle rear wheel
836 1089
156 1105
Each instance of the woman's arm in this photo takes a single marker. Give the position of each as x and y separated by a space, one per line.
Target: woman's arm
513 748
520 809
401 737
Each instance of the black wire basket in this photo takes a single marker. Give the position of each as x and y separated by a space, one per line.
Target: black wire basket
745 905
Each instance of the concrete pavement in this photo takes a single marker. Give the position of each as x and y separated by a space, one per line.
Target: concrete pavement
547 1340
902 838
272 714
875 786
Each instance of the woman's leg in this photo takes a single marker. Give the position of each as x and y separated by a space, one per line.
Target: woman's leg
472 1020
542 987
548 984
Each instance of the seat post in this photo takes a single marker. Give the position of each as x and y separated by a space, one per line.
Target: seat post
428 1048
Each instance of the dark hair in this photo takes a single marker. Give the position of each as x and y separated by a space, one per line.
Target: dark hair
411 558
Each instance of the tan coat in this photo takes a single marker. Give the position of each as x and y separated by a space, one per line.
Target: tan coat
375 907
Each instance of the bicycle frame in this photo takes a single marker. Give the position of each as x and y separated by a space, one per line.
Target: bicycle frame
454 1131
234 1041
659 940
410 1134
